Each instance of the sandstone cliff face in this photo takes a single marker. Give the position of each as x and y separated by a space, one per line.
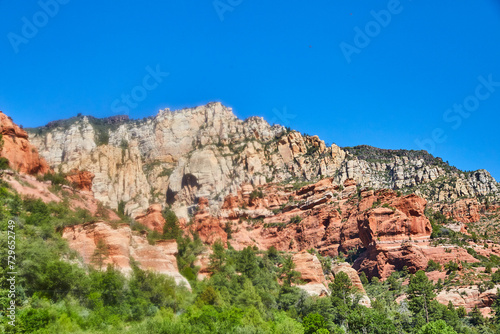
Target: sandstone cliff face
356 281
82 180
15 146
152 219
469 297
388 231
414 171
121 244
311 272
179 156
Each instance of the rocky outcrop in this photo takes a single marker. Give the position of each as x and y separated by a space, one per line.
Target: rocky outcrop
311 272
355 280
29 186
414 171
469 297
15 146
388 231
179 156
118 245
399 218
152 219
82 180
464 210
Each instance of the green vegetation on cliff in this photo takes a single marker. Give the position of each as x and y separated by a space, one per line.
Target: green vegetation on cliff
249 291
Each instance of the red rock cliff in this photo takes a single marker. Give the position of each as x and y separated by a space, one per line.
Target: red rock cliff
22 156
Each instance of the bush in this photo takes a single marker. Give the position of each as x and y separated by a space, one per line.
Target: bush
432 266
451 266
102 138
495 277
4 163
295 220
437 327
121 208
256 194
57 179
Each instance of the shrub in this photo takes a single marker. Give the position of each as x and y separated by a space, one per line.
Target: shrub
57 179
256 194
124 144
121 208
495 277
451 266
437 327
4 163
432 266
295 220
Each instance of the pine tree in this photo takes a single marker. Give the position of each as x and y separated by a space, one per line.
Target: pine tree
218 257
420 294
100 253
287 272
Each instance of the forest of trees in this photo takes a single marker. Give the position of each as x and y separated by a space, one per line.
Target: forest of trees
249 291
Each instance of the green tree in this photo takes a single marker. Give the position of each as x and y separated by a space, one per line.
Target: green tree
249 297
342 287
420 294
287 325
313 322
209 296
432 266
248 264
476 317
218 257
495 277
287 272
100 254
437 327
363 278
171 229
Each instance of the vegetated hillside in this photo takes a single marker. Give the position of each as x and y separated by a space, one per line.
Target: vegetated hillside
374 154
244 290
179 156
257 265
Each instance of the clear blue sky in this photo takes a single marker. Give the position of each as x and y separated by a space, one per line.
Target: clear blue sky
262 57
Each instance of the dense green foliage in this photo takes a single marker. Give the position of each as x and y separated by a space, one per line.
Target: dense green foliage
374 154
249 291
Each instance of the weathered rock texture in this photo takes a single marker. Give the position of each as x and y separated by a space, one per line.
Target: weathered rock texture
153 219
388 231
15 146
311 272
356 281
29 186
179 156
121 244
469 297
82 180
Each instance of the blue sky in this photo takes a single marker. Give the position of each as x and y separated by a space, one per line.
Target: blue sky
282 60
